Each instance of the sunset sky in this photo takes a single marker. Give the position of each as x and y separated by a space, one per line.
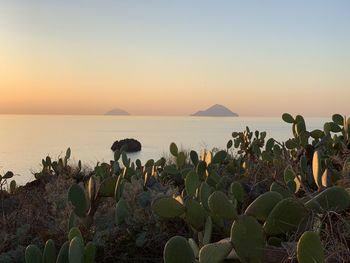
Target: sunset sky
156 57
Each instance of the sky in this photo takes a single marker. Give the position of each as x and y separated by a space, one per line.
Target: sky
156 57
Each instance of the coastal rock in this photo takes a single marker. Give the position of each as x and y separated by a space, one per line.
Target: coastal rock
133 145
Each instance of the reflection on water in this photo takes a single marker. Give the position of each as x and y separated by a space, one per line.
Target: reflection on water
26 139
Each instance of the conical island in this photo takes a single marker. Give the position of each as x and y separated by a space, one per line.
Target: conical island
216 110
117 112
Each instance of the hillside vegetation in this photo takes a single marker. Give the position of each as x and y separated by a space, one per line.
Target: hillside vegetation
258 200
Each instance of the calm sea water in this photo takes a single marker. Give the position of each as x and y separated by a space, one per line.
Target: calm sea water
26 139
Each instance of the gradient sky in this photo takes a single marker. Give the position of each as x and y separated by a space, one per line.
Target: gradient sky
259 58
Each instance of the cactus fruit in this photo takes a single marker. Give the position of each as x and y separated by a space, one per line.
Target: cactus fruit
191 183
177 250
62 256
261 207
287 215
195 214
33 254
335 198
76 196
220 205
122 211
214 253
247 238
76 252
90 252
167 207
309 248
219 157
49 255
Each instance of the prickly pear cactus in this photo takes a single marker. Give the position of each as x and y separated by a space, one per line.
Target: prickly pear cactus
284 192
173 149
220 205
195 214
177 250
33 254
219 157
215 252
191 183
76 196
204 192
74 232
167 207
90 252
49 255
309 248
247 238
316 169
236 189
121 211
208 229
76 250
261 207
335 198
286 216
63 254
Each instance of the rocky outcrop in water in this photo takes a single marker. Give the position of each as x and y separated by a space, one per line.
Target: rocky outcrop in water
132 145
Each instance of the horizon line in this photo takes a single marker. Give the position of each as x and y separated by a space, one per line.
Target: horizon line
151 115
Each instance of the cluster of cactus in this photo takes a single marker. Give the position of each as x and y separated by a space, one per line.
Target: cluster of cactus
211 196
201 196
72 251
59 167
269 217
247 144
11 188
334 137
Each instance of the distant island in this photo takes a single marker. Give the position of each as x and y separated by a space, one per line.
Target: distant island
117 112
216 110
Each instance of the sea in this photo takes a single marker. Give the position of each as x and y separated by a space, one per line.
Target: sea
26 139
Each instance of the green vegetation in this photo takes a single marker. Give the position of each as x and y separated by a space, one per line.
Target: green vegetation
258 200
